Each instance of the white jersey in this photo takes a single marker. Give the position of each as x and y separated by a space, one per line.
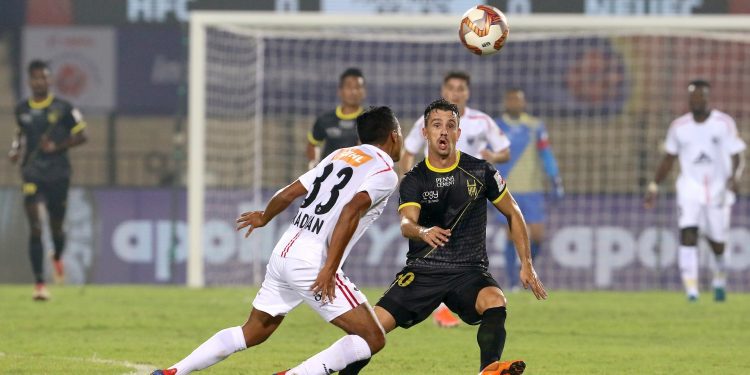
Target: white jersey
478 132
331 185
704 150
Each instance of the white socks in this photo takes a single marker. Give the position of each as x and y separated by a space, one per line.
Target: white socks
688 262
214 350
720 272
348 349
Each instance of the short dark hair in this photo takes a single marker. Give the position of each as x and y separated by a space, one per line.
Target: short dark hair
37 65
375 124
350 72
443 105
700 83
458 75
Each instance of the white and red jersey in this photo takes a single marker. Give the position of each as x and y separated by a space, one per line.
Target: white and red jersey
704 150
330 186
478 132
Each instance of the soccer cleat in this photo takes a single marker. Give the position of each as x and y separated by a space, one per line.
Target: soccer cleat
40 292
282 373
515 367
443 317
169 371
720 295
59 274
692 298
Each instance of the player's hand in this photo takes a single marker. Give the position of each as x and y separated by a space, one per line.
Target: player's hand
435 236
649 201
529 279
14 155
325 286
733 185
251 219
48 146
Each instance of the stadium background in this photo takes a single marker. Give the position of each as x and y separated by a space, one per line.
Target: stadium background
607 101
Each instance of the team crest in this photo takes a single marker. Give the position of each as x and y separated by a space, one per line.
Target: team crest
52 117
471 187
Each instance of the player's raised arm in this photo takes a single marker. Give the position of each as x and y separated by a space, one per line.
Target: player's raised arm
278 203
499 143
519 234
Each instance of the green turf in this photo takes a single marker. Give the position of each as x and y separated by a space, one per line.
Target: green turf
96 330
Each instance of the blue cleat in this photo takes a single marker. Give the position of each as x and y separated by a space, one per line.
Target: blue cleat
720 295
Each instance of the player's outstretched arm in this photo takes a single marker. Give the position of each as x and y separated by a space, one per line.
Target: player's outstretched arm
434 236
280 201
325 283
661 173
519 234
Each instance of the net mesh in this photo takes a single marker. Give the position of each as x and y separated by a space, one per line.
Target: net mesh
606 97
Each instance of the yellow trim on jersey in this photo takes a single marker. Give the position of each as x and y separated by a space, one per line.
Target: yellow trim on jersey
407 204
505 191
43 104
29 188
78 128
443 170
312 140
351 116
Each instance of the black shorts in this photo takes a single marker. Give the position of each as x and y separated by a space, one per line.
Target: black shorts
53 193
417 292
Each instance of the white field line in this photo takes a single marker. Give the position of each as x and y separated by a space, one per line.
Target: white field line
138 369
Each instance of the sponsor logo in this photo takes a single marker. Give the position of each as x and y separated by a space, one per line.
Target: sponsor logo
499 179
430 196
703 159
352 156
444 181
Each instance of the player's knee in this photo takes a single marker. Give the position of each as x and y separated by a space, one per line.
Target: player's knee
375 340
689 236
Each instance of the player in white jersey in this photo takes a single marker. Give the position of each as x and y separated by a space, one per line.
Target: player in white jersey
710 152
480 138
480 135
345 193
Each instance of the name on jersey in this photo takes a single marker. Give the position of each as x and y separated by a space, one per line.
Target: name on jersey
309 222
444 181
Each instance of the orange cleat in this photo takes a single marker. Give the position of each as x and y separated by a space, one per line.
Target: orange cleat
443 317
169 371
59 274
40 292
515 367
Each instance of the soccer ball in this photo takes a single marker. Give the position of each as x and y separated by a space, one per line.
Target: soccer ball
483 30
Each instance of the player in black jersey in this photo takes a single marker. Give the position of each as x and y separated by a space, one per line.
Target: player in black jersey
336 128
444 216
47 128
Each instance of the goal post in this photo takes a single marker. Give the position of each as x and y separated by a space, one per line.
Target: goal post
606 87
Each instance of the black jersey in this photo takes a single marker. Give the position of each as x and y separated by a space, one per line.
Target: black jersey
336 129
454 198
58 120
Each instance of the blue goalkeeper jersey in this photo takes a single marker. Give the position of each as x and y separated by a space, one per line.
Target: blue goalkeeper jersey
530 154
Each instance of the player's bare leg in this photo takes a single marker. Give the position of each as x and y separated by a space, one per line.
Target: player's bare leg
388 323
490 305
720 272
688 261
365 337
258 327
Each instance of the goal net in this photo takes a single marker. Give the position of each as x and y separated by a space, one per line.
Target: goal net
607 90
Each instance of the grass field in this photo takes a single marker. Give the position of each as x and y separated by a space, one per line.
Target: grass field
119 330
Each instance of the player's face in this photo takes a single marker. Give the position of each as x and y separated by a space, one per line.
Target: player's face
441 132
515 102
456 91
698 100
352 91
39 82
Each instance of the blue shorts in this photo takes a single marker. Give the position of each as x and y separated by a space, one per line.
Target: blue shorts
532 207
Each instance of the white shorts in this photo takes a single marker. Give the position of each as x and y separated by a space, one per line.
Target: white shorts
712 220
287 284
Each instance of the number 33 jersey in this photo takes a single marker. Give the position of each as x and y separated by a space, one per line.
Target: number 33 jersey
330 186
